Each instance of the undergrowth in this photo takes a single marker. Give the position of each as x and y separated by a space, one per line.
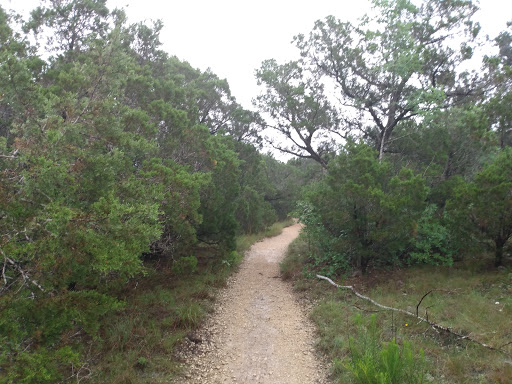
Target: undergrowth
472 301
137 344
372 361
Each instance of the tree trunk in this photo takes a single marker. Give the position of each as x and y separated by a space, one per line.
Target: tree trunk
498 255
381 146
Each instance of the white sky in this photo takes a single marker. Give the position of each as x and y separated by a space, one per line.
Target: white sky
233 37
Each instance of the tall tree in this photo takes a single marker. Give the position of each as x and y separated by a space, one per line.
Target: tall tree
500 73
70 24
396 64
297 109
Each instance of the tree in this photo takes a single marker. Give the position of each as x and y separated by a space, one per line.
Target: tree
20 72
254 211
287 180
367 215
483 207
72 24
446 143
397 64
103 162
500 74
298 110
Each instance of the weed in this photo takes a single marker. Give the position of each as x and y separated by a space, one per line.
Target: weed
374 362
142 362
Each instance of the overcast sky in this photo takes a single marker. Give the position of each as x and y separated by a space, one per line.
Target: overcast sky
233 37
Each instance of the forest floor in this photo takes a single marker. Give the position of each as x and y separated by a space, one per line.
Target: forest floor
259 331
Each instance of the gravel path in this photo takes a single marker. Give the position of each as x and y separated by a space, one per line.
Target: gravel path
259 332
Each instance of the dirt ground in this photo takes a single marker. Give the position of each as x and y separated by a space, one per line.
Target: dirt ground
259 332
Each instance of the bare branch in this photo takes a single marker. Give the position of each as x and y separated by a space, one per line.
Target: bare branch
13 156
418 306
25 275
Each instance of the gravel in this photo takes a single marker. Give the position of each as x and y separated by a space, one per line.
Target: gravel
259 332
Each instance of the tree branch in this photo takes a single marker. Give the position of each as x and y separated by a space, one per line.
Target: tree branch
24 274
13 156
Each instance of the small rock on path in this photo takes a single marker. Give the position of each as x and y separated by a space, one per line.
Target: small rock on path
259 332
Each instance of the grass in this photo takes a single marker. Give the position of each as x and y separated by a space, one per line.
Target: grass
137 344
473 301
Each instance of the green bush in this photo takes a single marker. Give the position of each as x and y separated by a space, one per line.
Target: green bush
433 242
363 214
373 362
481 210
186 265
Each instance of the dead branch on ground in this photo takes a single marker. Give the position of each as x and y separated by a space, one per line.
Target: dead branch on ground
426 320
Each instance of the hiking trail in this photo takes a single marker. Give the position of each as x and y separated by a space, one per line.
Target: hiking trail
259 332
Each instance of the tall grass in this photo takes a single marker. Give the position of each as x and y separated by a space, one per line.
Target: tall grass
374 362
472 301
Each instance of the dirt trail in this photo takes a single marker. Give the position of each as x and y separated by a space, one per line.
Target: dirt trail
259 333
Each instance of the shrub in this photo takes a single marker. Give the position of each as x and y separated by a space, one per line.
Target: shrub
432 244
372 362
482 209
362 214
185 265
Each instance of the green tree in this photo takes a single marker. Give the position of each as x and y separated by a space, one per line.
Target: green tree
298 110
446 143
500 76
369 215
254 211
396 64
70 25
287 180
483 207
219 197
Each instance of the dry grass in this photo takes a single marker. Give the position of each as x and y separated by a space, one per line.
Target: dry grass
472 301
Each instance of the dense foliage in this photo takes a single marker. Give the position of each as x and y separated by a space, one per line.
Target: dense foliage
415 148
369 213
111 152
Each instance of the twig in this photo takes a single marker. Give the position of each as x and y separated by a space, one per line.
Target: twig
3 271
428 166
418 306
364 309
504 345
23 273
431 323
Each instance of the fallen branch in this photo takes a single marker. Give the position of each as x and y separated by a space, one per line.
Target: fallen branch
431 323
13 156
